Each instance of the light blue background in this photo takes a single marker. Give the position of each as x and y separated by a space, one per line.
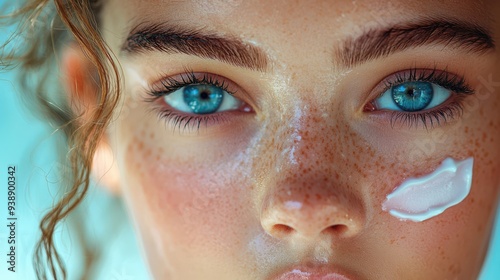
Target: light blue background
27 143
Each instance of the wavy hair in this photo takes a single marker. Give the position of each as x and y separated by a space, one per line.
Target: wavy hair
42 27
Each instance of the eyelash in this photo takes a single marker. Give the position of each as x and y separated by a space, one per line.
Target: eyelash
440 115
171 84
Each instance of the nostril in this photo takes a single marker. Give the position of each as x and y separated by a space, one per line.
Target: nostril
281 230
338 230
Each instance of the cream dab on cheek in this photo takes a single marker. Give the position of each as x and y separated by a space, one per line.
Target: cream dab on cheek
419 199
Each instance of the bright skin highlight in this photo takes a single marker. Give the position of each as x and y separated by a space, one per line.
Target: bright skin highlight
419 199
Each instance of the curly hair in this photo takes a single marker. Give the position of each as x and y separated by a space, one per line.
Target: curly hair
42 27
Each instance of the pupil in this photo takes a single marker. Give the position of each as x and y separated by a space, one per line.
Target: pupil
204 95
411 92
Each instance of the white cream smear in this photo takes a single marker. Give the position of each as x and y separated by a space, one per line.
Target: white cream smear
419 199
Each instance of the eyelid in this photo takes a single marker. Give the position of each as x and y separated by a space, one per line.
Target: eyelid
171 83
443 78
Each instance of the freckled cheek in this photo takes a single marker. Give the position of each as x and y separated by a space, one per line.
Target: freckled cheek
437 244
456 237
193 205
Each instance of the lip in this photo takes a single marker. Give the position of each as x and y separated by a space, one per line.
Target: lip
312 273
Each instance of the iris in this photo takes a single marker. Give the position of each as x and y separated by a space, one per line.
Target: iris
413 96
203 98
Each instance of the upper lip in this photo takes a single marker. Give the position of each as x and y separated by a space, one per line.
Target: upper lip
312 272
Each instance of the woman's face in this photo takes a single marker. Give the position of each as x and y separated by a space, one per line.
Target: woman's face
269 149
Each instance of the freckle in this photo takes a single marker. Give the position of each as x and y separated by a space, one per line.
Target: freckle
141 145
152 135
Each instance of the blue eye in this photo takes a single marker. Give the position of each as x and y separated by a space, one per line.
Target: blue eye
202 99
412 97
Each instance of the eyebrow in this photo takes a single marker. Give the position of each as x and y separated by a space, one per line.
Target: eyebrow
372 44
174 39
379 43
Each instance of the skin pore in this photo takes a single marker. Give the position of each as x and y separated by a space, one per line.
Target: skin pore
295 177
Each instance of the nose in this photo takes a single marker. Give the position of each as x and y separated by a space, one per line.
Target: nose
289 213
309 188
